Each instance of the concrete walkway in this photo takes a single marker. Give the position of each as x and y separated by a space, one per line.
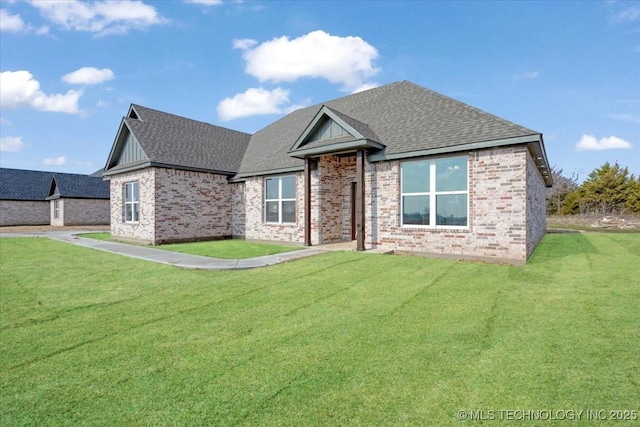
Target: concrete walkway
167 257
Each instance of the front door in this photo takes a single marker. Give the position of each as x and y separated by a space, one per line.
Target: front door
353 211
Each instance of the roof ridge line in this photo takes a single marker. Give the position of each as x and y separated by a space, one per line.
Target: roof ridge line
185 118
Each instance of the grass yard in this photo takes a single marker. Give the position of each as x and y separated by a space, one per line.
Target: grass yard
343 338
226 249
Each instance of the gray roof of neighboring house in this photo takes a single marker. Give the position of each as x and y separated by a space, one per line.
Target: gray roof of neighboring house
403 116
19 184
168 139
73 186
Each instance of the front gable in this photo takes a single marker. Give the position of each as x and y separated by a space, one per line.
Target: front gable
54 190
333 132
126 153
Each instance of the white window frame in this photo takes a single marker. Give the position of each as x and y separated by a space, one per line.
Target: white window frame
135 213
280 199
433 194
56 209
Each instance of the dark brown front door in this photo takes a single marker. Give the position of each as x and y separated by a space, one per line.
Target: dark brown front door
353 211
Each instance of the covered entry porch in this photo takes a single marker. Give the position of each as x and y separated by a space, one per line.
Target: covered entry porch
333 147
334 211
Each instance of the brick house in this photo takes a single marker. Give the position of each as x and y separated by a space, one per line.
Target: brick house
398 167
50 198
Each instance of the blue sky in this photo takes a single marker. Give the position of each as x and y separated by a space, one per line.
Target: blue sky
70 70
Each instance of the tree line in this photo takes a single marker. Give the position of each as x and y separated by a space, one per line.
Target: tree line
607 190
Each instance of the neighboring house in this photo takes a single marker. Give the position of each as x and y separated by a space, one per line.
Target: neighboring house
50 198
397 167
23 197
78 200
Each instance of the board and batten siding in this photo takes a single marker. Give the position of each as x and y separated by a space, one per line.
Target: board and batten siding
131 151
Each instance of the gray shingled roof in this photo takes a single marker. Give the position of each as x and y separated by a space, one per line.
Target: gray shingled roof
75 186
173 140
405 118
19 184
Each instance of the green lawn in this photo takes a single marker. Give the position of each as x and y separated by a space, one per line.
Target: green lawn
343 338
226 249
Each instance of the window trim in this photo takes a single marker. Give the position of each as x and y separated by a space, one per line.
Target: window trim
56 209
135 213
433 194
280 199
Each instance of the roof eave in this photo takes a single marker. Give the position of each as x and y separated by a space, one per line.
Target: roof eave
534 143
148 164
242 176
339 148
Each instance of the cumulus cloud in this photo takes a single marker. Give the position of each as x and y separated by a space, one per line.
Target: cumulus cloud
89 76
254 101
101 17
341 60
11 144
591 143
10 23
15 24
55 161
205 2
20 89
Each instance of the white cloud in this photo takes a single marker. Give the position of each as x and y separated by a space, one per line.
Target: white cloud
15 24
244 43
363 87
527 75
55 161
11 144
252 102
341 60
10 23
20 89
101 17
590 143
89 76
5 122
205 2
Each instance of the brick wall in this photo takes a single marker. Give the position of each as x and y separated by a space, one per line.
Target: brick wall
20 212
174 205
191 205
144 230
257 229
506 217
238 216
497 210
333 204
536 206
81 212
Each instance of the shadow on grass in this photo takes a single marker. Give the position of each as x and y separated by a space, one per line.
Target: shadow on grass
559 245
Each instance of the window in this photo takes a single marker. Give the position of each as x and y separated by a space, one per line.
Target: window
280 199
435 192
131 202
56 209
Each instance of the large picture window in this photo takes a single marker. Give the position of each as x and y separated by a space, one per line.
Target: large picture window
131 202
435 192
280 199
